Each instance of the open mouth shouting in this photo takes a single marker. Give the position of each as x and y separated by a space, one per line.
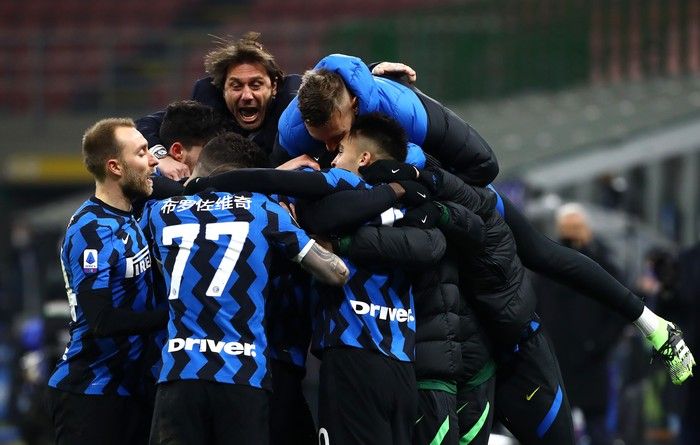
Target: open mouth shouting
248 116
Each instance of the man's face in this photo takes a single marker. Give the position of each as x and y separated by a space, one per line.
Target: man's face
247 92
573 230
351 155
137 163
333 131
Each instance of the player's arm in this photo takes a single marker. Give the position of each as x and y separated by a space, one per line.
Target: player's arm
94 294
106 321
569 267
408 247
301 184
346 210
324 265
284 234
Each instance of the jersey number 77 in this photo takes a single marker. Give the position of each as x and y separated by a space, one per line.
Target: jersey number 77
237 230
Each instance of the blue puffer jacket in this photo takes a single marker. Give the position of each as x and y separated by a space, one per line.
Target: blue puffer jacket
373 94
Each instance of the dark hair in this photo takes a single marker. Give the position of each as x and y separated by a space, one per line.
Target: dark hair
319 95
386 133
100 144
189 123
229 151
246 50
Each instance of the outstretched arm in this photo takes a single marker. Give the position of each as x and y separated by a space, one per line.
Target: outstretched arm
300 184
408 247
345 211
569 267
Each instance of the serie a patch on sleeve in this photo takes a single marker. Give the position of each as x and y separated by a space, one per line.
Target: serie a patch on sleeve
90 260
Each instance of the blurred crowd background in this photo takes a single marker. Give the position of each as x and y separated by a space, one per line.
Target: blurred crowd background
589 101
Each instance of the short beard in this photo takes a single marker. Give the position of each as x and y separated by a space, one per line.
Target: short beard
134 189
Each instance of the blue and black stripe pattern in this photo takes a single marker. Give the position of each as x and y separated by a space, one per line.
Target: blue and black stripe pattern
215 256
374 311
104 249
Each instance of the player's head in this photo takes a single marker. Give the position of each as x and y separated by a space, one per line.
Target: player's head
371 137
229 151
114 151
327 107
187 126
248 76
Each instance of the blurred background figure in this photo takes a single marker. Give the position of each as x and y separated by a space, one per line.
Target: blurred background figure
584 333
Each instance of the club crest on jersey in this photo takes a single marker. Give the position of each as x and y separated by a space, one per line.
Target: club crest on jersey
90 260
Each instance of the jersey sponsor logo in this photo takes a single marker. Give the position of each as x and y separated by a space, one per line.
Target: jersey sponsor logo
206 344
125 239
382 312
90 260
138 264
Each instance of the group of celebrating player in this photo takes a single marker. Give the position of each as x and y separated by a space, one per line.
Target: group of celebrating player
199 277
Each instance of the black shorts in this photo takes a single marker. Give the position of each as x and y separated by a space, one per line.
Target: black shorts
191 412
530 397
365 398
91 419
437 418
291 422
475 412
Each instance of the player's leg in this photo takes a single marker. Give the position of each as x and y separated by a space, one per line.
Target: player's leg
88 419
352 397
475 411
530 397
240 414
437 416
181 414
291 421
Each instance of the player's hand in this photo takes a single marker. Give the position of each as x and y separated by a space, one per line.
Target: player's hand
299 162
388 170
425 216
432 179
395 69
196 185
415 193
172 169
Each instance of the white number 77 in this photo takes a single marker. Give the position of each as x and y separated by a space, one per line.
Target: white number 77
238 230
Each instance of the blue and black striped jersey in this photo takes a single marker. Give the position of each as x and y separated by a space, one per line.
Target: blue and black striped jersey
374 311
214 252
104 249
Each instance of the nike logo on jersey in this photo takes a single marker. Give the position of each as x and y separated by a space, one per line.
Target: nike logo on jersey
125 239
425 218
422 195
395 171
528 398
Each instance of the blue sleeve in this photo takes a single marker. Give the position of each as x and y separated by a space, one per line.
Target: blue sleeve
89 256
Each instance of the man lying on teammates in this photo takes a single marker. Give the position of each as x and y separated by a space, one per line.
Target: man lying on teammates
215 252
